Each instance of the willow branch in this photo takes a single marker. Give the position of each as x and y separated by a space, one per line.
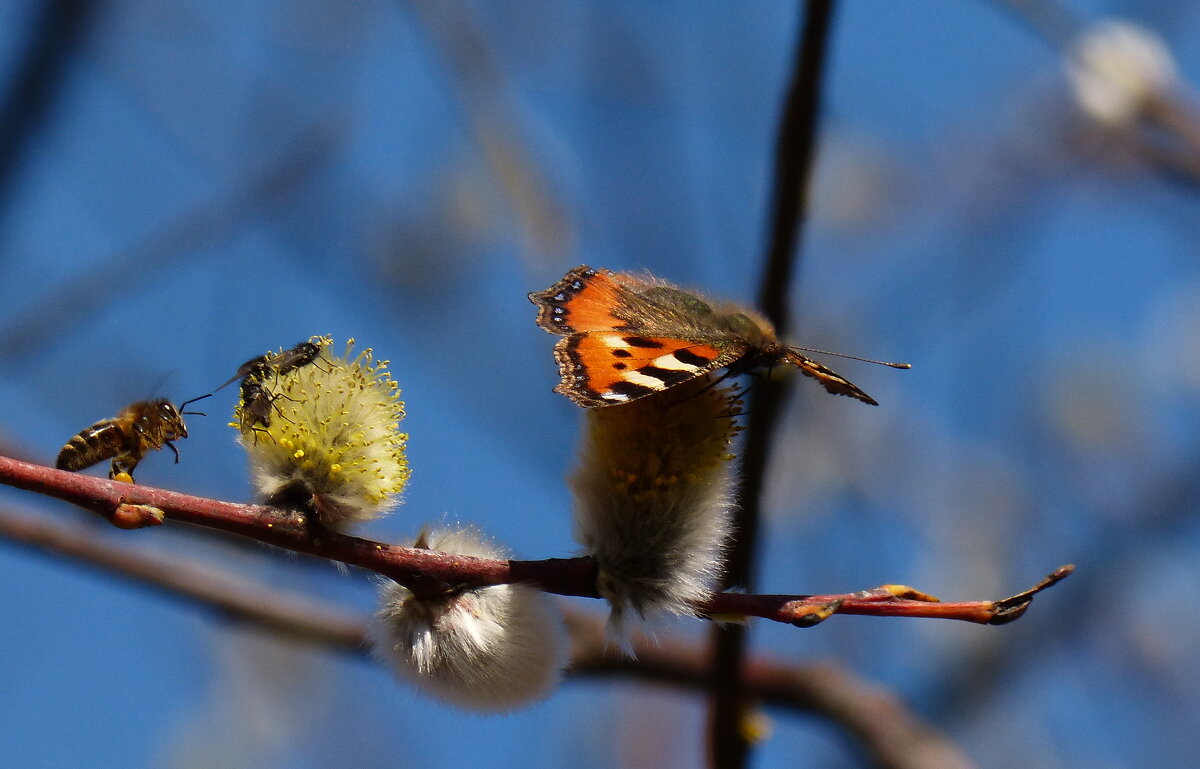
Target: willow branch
893 737
135 506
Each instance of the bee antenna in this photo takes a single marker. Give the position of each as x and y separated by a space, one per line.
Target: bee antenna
194 413
853 357
193 400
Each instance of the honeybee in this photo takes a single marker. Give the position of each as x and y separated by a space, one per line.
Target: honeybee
126 438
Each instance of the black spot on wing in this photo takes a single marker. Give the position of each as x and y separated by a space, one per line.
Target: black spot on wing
632 390
637 341
684 356
665 375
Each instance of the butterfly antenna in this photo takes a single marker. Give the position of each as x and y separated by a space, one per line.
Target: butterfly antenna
852 357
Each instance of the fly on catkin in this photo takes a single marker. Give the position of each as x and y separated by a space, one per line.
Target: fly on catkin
652 497
324 436
488 649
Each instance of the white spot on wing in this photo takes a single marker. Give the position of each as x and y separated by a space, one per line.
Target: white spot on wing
671 363
638 378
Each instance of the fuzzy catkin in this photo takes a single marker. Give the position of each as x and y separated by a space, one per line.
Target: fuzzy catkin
332 444
652 497
488 649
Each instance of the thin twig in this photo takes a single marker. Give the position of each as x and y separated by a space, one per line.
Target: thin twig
794 151
893 737
129 505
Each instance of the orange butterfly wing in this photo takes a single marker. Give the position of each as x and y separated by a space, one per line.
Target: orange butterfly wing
615 349
606 368
584 300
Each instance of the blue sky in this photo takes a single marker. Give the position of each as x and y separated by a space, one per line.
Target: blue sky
434 162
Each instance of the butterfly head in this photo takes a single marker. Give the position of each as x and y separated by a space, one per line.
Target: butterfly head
752 327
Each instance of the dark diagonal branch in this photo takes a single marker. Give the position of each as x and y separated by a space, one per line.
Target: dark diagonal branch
247 200
235 597
37 81
794 150
890 735
893 737
132 506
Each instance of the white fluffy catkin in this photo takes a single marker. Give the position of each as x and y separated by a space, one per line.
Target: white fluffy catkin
652 498
488 649
1116 69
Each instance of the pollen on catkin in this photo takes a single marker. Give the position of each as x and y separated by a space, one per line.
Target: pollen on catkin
325 436
652 497
488 649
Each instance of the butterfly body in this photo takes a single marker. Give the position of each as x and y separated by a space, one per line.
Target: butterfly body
627 337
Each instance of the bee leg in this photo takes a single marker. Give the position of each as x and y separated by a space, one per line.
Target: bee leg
122 468
174 450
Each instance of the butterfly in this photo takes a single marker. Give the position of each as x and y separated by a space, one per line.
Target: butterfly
626 337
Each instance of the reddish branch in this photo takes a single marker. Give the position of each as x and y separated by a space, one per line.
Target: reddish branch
892 737
423 570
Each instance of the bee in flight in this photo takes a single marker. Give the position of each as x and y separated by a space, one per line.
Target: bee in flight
126 438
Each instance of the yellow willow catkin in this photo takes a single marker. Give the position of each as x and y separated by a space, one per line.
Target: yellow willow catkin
652 497
332 442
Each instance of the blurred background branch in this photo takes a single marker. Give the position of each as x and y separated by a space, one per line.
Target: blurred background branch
128 273
795 149
893 737
37 81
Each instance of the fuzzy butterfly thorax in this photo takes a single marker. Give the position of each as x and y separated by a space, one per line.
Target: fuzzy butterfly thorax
626 337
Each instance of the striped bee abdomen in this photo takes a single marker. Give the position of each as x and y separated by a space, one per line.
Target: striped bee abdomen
97 443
